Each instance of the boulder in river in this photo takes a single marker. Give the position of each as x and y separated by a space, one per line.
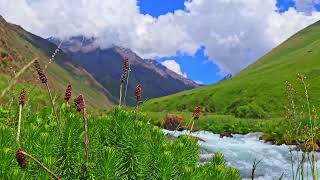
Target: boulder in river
308 147
190 136
226 134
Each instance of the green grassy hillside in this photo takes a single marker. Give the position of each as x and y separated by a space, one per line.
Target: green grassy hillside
18 48
259 90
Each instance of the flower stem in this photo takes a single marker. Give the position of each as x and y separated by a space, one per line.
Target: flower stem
51 99
19 125
120 97
125 92
192 125
43 166
16 77
314 161
86 138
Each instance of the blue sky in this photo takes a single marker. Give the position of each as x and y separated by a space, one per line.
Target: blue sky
197 67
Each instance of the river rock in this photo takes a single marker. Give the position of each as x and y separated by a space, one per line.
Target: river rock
308 146
190 136
226 134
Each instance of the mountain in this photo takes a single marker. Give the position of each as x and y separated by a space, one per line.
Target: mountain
226 77
105 65
260 88
18 47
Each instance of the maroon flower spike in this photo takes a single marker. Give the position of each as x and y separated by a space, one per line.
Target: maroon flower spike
68 93
42 76
196 113
21 159
22 97
138 92
125 70
79 103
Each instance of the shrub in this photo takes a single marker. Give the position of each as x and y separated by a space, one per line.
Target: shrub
173 122
250 111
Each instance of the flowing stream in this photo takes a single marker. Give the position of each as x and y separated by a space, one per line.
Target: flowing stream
241 151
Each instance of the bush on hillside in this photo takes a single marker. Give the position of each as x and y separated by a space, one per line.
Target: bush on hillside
250 111
173 122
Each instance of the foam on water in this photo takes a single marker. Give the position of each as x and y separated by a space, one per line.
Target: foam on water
241 151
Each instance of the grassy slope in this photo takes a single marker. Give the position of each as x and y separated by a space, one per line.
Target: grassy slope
15 43
262 83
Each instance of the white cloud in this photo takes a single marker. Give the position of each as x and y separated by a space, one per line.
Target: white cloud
174 66
233 32
306 6
199 82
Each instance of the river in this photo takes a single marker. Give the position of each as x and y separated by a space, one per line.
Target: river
241 151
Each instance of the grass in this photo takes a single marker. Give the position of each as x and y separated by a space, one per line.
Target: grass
122 146
260 87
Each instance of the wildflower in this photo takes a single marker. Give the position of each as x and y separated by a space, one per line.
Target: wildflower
79 103
138 92
125 70
22 98
21 159
196 113
22 102
42 76
124 76
68 93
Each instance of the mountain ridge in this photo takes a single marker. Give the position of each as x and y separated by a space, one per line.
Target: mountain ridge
106 64
19 47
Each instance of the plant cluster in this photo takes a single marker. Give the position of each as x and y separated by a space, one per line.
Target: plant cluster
123 145
302 129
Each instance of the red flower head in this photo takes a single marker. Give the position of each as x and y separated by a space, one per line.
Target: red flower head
138 92
68 93
79 103
21 159
42 76
22 97
196 113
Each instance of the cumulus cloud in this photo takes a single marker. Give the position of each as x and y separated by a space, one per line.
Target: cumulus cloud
234 32
306 6
174 66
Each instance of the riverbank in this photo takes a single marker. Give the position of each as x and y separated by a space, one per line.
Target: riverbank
273 130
